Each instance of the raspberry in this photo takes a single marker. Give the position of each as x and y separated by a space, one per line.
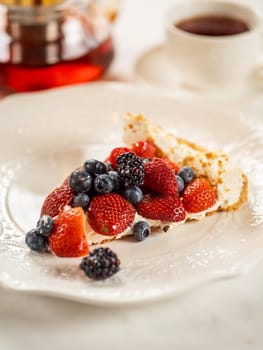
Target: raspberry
100 264
130 169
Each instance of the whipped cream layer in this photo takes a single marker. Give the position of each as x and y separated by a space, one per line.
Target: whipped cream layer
96 238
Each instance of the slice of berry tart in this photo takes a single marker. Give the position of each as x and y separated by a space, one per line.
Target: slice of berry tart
155 180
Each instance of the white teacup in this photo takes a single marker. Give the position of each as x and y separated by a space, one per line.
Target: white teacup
213 61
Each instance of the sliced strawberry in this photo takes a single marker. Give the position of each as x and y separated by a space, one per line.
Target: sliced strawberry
168 208
68 237
160 178
57 200
115 153
144 149
198 195
110 214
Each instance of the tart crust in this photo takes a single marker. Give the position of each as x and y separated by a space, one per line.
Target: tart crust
137 127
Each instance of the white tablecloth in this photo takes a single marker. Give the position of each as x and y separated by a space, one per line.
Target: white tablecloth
227 314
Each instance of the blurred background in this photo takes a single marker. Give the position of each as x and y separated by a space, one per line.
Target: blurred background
225 314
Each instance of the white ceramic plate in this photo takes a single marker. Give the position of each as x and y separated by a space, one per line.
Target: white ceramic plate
44 136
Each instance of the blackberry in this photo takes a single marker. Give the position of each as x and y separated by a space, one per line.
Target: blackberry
130 169
100 264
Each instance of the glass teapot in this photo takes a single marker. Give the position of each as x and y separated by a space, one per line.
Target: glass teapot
50 43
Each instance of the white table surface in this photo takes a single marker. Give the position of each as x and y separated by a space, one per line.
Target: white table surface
225 314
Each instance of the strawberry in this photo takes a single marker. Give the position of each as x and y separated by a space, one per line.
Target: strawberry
198 195
57 200
68 237
115 153
66 181
171 164
110 214
167 208
144 149
160 178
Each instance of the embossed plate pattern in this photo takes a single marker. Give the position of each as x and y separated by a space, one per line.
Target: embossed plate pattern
44 136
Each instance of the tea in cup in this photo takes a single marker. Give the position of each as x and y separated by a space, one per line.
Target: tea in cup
213 43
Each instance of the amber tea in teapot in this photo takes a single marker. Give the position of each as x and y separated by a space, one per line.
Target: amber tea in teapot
53 43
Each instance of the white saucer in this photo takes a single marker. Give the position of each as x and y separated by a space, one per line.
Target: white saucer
154 67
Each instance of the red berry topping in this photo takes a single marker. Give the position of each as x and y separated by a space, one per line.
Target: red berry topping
160 178
110 214
168 208
144 149
115 153
198 195
171 165
57 200
68 237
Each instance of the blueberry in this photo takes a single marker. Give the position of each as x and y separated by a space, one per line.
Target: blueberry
186 173
108 167
115 178
36 241
141 230
80 181
81 200
45 225
180 183
94 166
103 184
133 195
